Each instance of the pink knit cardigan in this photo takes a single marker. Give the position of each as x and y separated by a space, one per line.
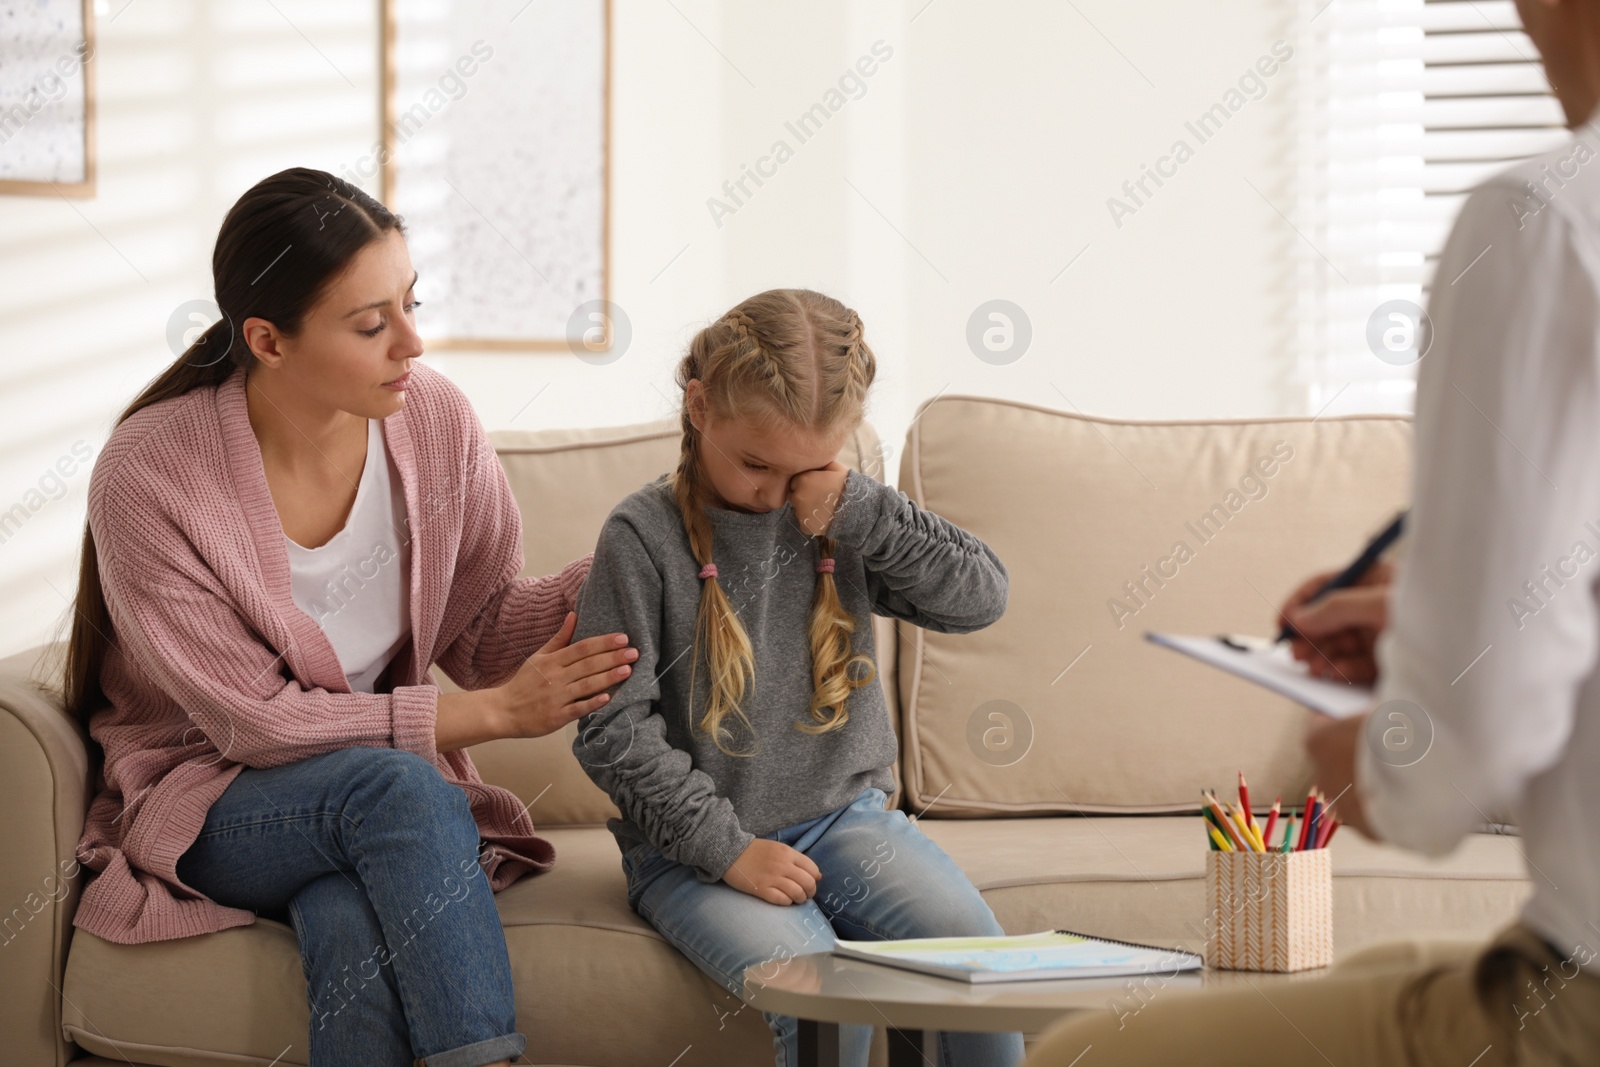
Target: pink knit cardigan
213 668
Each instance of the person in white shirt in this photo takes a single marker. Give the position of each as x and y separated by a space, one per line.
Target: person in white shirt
1487 642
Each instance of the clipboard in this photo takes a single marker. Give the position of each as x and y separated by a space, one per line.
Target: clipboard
1271 665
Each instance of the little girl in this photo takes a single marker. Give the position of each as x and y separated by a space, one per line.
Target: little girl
750 751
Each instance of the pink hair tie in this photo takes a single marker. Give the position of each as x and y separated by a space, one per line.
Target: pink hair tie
825 566
708 571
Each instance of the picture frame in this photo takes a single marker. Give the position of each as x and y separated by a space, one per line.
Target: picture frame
47 143
496 124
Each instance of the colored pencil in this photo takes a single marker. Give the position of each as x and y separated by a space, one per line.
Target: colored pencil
1333 828
1218 842
1211 822
1226 823
1272 821
1261 840
1244 800
1245 828
1325 831
1288 834
1211 817
1305 821
1234 831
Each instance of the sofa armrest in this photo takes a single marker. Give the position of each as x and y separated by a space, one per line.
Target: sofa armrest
44 793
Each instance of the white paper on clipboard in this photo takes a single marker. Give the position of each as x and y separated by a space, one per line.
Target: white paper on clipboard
1271 665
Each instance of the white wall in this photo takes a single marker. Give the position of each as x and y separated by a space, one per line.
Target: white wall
975 166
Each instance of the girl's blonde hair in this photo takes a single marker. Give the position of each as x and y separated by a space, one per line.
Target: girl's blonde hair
792 357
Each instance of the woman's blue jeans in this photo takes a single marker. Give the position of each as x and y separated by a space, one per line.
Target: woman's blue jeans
375 857
881 878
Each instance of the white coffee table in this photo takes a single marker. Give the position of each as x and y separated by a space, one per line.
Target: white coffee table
823 991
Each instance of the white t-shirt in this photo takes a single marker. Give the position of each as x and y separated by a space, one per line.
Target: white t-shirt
357 586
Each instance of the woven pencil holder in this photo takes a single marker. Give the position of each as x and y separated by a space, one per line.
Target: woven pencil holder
1269 911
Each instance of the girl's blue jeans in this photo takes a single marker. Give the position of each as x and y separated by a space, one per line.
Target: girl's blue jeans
375 857
881 878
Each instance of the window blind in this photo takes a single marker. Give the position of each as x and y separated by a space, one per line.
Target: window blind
1405 106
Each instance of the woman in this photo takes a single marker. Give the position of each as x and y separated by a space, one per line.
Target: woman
285 530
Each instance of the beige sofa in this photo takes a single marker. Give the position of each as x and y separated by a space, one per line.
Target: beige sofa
1057 755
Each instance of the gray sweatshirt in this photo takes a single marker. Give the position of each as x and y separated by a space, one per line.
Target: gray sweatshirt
673 786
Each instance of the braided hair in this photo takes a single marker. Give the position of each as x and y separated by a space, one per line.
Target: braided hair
797 356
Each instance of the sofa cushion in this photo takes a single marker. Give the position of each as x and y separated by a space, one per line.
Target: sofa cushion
566 482
1142 878
1109 529
594 984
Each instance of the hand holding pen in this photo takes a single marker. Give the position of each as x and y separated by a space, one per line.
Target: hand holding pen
1336 634
1333 619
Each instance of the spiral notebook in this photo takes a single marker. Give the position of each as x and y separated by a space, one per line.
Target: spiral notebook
1022 957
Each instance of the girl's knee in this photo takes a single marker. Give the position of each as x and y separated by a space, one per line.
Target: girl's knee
951 907
908 864
971 917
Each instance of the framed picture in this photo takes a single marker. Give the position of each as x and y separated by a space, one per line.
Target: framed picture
495 151
46 98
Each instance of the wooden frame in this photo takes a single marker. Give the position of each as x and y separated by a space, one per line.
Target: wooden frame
387 117
85 189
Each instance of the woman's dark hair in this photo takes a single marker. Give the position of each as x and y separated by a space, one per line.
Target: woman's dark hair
279 248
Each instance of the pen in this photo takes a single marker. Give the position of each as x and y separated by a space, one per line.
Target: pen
1362 563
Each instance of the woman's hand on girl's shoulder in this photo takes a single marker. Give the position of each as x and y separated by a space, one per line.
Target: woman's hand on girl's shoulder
563 682
774 872
815 496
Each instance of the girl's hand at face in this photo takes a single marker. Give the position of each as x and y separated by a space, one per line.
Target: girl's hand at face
774 872
815 496
559 683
